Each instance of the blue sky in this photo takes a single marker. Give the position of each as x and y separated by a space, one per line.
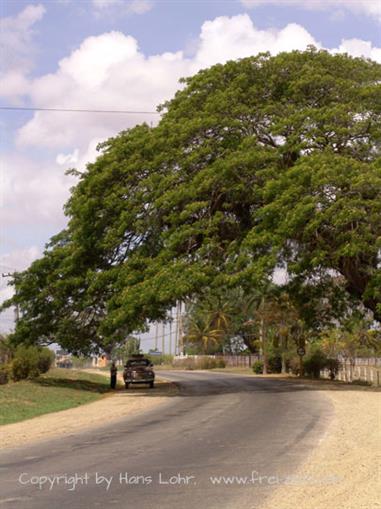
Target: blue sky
172 24
125 54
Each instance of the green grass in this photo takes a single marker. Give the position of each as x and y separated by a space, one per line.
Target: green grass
58 389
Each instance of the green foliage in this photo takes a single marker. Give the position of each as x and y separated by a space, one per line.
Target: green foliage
6 349
314 363
131 346
30 361
25 363
5 370
258 367
275 363
333 366
57 390
45 360
260 163
294 365
157 360
353 339
208 324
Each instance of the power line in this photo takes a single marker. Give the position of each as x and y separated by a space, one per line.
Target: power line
76 110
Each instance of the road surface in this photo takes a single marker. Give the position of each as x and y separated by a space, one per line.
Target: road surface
225 441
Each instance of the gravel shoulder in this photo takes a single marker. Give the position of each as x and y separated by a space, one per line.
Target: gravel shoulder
344 470
67 422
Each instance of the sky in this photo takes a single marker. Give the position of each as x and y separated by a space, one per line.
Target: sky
124 55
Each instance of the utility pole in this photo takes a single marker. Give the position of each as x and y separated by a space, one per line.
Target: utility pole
177 350
156 335
170 335
181 345
163 338
17 309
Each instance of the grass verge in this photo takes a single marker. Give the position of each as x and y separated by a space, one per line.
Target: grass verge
59 389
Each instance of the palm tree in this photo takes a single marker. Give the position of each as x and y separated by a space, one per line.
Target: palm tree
203 332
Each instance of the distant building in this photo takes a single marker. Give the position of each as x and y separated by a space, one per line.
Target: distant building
101 361
63 359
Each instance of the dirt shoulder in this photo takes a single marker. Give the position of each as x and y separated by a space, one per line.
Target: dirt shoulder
66 422
344 470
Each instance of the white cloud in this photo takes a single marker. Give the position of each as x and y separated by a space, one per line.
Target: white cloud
131 6
16 35
109 72
359 48
368 7
65 159
17 51
230 38
16 260
19 259
33 193
140 6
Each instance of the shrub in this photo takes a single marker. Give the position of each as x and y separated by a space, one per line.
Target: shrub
25 363
333 365
314 363
4 374
258 367
294 365
275 363
157 360
45 360
187 363
30 361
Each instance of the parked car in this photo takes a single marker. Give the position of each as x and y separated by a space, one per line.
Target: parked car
138 370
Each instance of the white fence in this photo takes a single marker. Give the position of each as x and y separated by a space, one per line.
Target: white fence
363 369
360 369
231 361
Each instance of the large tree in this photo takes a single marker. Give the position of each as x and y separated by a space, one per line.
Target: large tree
258 163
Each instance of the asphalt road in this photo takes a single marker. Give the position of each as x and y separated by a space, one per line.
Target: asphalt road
253 431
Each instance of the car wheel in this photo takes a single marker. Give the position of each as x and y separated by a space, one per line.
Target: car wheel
127 385
151 385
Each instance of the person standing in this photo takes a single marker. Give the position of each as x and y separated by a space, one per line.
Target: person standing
113 374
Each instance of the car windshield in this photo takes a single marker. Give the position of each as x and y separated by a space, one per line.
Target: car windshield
143 363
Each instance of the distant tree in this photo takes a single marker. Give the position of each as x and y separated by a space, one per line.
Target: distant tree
130 347
6 349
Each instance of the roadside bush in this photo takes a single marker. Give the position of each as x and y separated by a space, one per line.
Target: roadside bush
4 374
275 364
333 365
30 361
25 363
187 363
157 360
258 367
294 365
45 360
314 363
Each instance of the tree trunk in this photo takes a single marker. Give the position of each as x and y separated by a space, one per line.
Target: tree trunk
284 354
263 343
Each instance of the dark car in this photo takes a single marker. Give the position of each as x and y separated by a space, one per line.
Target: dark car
138 370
